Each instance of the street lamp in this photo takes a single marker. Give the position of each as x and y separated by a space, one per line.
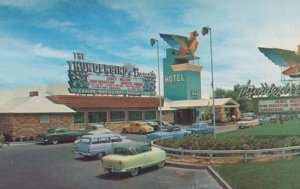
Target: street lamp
206 30
152 42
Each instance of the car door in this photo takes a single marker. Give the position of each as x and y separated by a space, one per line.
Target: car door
68 135
141 157
135 128
100 145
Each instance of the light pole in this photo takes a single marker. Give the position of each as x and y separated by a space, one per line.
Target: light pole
206 30
152 42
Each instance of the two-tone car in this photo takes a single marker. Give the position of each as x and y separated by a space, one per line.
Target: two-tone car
201 128
98 145
93 127
169 132
133 157
137 127
58 135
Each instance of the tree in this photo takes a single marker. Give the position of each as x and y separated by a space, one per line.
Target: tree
245 103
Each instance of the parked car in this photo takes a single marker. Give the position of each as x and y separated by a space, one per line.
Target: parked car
94 132
264 120
58 135
248 116
133 157
153 124
137 127
163 123
93 127
201 128
98 145
247 124
170 132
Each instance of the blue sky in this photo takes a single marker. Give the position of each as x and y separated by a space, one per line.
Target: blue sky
37 37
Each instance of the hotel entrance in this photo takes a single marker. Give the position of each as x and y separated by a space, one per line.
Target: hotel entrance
185 116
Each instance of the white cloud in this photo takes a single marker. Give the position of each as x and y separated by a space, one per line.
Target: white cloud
56 24
13 47
29 5
40 50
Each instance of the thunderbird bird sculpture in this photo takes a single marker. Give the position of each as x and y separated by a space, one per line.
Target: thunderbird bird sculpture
284 58
186 46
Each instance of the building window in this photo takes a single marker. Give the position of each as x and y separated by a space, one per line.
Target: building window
150 115
117 116
79 117
44 119
97 117
135 115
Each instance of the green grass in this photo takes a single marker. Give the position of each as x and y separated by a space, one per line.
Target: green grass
281 174
280 131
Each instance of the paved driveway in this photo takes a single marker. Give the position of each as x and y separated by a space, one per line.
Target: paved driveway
55 166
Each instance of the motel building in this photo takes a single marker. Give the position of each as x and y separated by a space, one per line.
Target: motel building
99 93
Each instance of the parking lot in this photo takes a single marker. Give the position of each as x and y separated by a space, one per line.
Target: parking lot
56 166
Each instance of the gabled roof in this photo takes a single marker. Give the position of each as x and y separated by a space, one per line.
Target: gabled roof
35 104
186 104
7 95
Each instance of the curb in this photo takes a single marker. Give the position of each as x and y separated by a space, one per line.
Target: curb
17 143
208 168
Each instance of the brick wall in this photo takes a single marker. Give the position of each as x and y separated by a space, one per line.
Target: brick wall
5 124
29 125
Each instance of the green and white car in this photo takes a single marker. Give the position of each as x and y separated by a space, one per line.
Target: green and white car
133 157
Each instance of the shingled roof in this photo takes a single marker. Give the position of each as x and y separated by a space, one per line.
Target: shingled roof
73 101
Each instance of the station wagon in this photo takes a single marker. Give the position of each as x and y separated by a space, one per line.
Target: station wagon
98 145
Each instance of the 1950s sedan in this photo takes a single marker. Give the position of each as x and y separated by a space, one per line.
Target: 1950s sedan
137 127
201 128
133 157
170 132
59 134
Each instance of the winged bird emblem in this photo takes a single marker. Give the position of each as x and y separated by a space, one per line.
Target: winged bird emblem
284 58
186 46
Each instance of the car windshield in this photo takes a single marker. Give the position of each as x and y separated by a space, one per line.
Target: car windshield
51 131
85 140
122 151
199 125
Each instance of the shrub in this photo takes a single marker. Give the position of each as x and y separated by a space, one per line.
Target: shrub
224 145
207 142
268 143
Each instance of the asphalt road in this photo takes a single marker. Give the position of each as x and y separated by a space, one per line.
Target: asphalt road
56 167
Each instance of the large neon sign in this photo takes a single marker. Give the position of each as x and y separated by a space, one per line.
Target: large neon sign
92 78
248 90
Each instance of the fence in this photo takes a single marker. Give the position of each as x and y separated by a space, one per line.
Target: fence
233 155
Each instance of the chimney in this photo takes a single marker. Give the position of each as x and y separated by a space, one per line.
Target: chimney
33 93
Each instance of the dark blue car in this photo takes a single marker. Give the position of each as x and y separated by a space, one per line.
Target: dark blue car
201 128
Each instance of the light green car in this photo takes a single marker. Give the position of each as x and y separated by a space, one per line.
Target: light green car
133 157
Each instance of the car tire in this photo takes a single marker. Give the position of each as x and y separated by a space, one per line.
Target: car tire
162 164
100 155
55 141
134 172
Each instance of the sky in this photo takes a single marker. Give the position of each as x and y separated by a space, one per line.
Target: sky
37 37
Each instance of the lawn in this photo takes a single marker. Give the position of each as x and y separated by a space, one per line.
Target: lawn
281 174
289 128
